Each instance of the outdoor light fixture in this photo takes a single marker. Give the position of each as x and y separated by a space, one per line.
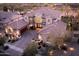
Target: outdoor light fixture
30 25
65 52
39 37
8 30
71 49
0 34
51 53
17 33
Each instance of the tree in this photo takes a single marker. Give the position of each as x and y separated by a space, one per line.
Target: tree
5 8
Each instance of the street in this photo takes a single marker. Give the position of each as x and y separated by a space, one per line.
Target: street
17 48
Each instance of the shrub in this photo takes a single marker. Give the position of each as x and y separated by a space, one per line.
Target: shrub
2 40
30 50
68 36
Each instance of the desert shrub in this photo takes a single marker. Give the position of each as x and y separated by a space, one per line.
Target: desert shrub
59 41
68 36
30 50
55 41
2 40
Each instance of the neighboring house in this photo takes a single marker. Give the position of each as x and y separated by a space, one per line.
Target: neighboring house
20 25
12 19
54 31
8 17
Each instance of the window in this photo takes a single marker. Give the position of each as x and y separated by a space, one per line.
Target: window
54 19
48 20
4 18
1 24
76 35
0 19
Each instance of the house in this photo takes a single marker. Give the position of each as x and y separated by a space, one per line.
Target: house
51 21
46 14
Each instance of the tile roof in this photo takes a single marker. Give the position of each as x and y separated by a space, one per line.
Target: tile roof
18 24
48 12
57 29
8 16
